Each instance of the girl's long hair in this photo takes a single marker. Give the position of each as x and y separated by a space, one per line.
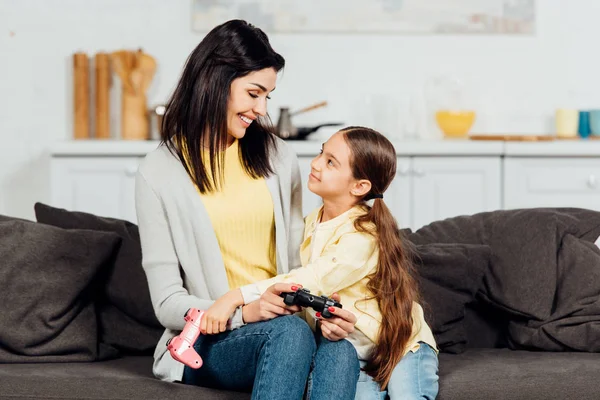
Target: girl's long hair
393 285
198 106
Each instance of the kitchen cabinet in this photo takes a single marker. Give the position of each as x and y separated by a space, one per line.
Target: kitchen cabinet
552 182
428 189
104 186
435 179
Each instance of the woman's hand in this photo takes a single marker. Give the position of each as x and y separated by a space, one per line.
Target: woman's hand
340 325
270 305
216 317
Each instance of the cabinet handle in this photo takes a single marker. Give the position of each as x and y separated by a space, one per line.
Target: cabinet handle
131 171
418 172
592 182
403 170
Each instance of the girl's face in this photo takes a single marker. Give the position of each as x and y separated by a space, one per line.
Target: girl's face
331 174
248 100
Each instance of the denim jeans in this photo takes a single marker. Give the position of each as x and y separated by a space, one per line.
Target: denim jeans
414 378
335 371
272 359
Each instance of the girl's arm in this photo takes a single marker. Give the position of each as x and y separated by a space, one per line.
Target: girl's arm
341 265
269 306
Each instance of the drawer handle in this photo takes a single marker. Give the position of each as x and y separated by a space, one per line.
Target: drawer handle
592 182
403 171
131 171
418 172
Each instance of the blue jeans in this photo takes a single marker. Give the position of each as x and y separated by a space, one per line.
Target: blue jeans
414 378
335 371
272 359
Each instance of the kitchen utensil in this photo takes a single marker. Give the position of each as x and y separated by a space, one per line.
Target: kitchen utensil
156 114
136 70
102 92
303 132
285 128
595 123
310 108
514 138
122 63
584 124
455 123
81 96
567 123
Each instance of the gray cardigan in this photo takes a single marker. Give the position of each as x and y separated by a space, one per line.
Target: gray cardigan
180 252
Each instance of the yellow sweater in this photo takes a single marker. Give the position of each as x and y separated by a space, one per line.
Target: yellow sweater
241 213
338 258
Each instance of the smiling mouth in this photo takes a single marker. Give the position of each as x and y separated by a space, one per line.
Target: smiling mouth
314 177
245 119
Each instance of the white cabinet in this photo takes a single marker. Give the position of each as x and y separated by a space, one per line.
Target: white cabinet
431 188
434 180
104 186
552 182
398 196
427 189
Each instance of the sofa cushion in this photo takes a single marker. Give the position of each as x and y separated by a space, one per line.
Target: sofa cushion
47 287
524 244
129 377
127 319
476 228
499 374
574 324
449 277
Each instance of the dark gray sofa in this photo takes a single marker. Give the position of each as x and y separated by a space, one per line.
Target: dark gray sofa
487 373
481 331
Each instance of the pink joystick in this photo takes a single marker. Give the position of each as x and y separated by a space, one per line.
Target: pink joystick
181 347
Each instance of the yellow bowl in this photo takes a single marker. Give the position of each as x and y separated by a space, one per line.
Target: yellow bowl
455 123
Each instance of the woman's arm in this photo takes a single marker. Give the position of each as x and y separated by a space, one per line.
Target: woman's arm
268 306
159 260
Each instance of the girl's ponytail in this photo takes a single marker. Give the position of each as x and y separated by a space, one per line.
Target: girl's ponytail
394 287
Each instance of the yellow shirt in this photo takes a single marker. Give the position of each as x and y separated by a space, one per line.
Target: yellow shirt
340 259
241 213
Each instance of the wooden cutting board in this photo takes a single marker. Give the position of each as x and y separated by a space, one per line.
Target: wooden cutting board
515 138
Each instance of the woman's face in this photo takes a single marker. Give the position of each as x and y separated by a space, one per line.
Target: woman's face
248 100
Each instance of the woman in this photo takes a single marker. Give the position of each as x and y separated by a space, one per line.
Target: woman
219 207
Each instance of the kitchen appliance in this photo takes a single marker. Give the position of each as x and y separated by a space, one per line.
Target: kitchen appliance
288 131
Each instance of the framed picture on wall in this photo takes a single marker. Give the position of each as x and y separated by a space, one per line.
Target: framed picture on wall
512 17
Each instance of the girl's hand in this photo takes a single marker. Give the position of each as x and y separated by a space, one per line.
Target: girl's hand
340 325
270 305
216 317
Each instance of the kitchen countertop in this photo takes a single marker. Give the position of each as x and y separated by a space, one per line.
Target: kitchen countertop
441 147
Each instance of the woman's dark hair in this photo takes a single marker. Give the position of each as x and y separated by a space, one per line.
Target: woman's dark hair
393 285
196 113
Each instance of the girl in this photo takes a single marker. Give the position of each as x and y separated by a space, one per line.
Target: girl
354 249
219 206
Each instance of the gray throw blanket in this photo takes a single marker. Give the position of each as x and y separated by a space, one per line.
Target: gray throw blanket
544 272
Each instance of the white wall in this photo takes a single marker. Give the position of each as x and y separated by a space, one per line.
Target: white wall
519 81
